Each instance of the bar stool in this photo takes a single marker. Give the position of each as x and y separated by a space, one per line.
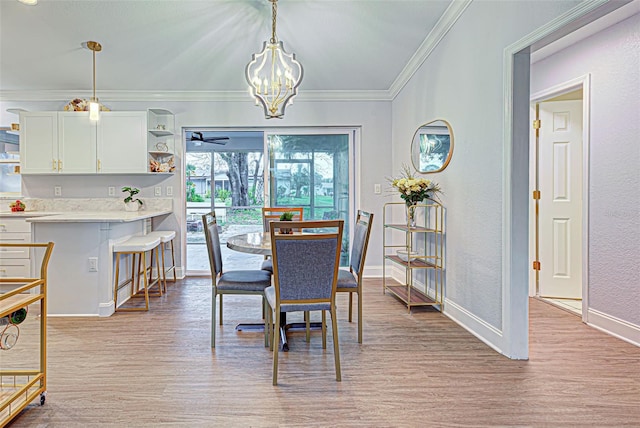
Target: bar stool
166 236
137 247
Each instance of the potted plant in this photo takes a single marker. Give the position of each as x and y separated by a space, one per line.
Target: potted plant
131 204
286 216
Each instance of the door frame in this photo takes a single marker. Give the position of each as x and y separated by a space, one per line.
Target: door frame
584 83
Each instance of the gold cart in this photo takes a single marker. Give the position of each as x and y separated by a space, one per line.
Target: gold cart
19 386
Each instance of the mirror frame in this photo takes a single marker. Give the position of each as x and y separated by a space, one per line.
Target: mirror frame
415 147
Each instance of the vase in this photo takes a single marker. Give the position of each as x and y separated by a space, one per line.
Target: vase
411 214
131 206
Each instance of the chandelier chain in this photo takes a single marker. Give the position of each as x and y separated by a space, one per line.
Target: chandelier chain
274 13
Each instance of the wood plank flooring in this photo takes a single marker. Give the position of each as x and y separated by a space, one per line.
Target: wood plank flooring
421 369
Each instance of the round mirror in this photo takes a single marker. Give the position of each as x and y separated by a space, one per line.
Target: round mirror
432 146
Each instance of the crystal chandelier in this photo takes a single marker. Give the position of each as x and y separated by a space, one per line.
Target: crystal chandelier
273 74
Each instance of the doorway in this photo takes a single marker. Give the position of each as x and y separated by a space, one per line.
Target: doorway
559 183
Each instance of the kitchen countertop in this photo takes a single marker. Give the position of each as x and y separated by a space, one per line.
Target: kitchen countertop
84 216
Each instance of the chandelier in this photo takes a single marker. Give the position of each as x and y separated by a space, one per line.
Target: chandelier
273 74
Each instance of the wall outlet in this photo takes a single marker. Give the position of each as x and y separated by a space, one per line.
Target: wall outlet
157 191
169 191
376 189
112 191
93 264
57 190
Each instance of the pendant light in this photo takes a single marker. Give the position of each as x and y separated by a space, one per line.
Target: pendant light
94 105
273 74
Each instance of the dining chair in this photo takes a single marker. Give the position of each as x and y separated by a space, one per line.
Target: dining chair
253 281
305 275
351 281
270 214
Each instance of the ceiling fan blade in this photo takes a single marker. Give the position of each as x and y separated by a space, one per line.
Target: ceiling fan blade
197 136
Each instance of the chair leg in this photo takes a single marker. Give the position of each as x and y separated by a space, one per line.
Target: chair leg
350 305
221 309
307 319
146 283
265 316
359 316
336 347
115 288
324 329
173 263
164 272
276 347
213 317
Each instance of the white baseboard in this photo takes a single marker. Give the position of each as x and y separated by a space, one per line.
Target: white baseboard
106 309
487 333
614 326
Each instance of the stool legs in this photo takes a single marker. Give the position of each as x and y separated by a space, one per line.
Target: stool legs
134 281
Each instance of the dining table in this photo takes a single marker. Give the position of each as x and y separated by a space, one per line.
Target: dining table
260 243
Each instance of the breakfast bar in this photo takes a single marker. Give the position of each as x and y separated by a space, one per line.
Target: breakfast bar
82 266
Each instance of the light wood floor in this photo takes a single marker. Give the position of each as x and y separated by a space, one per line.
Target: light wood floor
157 369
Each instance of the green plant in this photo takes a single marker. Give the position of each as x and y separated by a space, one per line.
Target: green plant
286 216
132 192
223 195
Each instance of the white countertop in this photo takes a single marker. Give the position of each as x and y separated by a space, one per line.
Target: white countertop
84 216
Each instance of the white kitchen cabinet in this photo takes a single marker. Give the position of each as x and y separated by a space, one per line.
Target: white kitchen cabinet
122 142
14 261
70 143
76 143
39 142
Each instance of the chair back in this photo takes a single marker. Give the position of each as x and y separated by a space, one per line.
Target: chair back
213 242
360 241
305 265
270 214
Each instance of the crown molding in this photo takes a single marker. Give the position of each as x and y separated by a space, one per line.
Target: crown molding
442 27
185 96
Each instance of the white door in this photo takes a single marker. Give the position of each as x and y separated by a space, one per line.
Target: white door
560 206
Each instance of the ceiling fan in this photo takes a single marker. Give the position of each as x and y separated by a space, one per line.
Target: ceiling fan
197 136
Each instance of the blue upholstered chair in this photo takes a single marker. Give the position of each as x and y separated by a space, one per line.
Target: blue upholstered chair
351 281
305 274
270 214
252 281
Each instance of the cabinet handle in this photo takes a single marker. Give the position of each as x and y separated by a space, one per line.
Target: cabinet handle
99 165
54 165
59 165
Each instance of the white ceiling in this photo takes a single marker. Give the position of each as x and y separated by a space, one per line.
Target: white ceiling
160 46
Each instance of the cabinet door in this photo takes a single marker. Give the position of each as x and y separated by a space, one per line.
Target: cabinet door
122 142
39 142
76 143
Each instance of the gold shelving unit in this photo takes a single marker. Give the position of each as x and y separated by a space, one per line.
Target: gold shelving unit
20 386
424 247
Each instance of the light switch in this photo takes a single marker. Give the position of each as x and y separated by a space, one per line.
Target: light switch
376 189
169 191
158 191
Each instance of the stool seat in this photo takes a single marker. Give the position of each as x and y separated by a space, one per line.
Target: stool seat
137 244
164 235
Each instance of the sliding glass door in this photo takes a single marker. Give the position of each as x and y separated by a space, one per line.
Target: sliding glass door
312 170
225 173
